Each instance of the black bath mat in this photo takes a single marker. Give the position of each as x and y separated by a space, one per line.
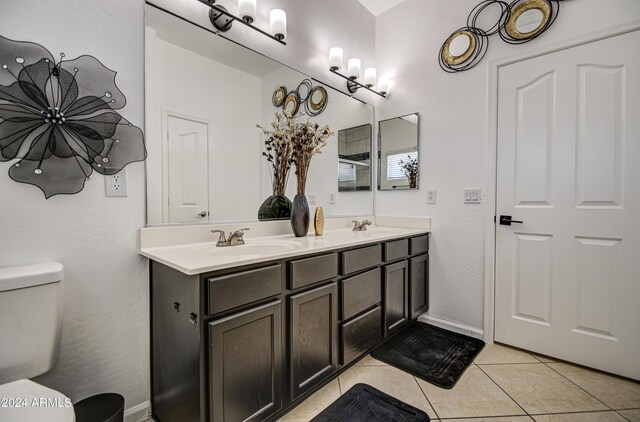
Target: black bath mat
431 353
363 403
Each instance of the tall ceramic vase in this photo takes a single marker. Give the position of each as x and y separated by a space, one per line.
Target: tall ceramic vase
300 215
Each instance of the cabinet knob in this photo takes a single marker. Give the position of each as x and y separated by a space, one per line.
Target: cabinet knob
193 318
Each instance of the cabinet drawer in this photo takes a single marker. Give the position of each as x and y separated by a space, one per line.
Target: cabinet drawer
361 259
419 244
304 272
233 290
361 334
360 292
396 250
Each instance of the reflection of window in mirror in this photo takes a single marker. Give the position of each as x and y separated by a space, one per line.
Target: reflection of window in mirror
354 159
398 153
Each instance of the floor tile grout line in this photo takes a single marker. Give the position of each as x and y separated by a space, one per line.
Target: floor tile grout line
512 363
573 412
425 396
503 390
486 417
597 399
622 416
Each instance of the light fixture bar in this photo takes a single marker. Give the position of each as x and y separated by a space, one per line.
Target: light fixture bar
222 11
353 85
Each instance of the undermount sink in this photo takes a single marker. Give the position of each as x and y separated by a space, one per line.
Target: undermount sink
250 248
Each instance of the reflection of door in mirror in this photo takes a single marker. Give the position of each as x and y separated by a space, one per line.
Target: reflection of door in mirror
354 159
398 149
186 193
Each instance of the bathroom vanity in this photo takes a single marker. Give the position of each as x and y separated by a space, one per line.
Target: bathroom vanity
255 334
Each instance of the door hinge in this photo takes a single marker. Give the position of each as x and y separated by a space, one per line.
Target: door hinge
494 219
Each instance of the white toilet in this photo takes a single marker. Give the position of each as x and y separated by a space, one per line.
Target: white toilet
30 326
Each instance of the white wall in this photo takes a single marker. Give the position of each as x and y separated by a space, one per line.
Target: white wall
197 86
342 112
105 337
105 344
453 131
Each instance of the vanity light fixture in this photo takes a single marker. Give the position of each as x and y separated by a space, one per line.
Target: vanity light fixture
222 19
354 72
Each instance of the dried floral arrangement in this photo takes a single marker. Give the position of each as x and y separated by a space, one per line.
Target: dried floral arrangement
293 141
409 167
308 139
279 151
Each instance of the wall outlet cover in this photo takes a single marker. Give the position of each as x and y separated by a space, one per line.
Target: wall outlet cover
431 196
311 198
332 198
116 185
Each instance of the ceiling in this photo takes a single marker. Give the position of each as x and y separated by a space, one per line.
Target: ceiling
377 7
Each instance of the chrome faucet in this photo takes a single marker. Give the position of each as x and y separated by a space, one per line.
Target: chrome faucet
235 238
361 226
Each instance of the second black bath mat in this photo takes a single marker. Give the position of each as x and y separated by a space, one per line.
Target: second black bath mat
430 353
363 403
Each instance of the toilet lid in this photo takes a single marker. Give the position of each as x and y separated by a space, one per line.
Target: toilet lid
27 401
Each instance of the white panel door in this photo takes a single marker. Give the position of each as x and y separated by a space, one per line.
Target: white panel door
187 192
568 276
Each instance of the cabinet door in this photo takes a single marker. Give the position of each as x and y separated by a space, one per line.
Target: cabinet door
419 292
396 296
245 365
314 334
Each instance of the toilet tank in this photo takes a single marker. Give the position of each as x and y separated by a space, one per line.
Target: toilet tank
30 319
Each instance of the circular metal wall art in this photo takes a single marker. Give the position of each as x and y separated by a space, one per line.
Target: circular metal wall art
525 10
316 101
463 50
279 96
304 89
484 7
518 22
291 104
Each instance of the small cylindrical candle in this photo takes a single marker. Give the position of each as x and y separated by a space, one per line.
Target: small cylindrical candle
247 10
353 68
335 58
370 76
278 20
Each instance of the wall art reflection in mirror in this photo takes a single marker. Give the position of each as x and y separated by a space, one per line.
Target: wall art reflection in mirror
58 119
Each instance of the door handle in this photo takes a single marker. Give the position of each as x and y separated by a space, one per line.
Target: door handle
202 214
505 220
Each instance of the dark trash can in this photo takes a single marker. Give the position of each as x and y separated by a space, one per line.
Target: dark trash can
107 407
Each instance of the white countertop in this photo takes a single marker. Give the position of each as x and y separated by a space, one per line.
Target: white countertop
197 258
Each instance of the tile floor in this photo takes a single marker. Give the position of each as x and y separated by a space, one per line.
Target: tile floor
502 385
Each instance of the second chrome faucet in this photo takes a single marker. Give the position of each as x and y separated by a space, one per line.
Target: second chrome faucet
235 238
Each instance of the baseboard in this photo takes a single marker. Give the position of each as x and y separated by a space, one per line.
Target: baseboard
138 413
456 327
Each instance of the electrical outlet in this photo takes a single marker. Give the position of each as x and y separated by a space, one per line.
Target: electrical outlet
311 198
116 185
431 196
332 198
472 196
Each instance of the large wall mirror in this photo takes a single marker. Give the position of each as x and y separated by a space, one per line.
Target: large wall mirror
205 97
398 161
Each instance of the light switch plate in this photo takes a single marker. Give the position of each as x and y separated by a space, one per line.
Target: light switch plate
116 185
431 196
472 196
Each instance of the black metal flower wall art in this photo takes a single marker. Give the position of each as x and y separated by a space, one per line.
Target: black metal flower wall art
58 119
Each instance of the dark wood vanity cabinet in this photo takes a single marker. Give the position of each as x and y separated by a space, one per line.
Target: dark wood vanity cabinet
313 337
245 364
249 343
396 296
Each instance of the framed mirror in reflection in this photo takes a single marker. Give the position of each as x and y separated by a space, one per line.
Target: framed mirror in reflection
205 97
398 159
354 159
